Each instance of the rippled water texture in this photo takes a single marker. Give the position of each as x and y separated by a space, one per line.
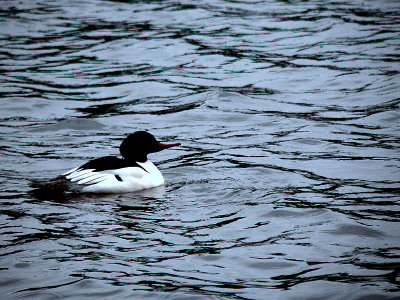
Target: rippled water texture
286 185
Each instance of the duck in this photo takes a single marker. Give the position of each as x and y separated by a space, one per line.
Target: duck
111 174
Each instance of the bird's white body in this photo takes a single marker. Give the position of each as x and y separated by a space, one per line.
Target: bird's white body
123 180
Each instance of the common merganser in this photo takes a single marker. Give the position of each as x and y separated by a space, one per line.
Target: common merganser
110 174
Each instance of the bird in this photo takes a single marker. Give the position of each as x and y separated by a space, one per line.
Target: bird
111 174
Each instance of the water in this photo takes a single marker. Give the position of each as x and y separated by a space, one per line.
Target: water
286 185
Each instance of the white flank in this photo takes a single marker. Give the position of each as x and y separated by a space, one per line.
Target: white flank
122 180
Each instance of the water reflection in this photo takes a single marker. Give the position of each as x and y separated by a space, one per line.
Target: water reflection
288 182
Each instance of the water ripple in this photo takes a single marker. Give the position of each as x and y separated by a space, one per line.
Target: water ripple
287 181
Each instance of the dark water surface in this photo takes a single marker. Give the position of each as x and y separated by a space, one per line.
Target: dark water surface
286 185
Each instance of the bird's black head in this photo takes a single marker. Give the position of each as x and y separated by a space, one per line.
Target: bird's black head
140 143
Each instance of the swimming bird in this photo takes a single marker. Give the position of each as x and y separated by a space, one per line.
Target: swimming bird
110 174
